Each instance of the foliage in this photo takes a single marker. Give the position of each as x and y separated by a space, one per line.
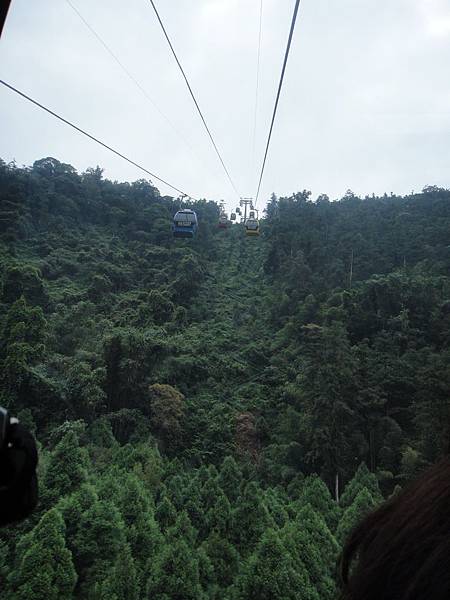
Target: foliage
46 570
360 507
214 415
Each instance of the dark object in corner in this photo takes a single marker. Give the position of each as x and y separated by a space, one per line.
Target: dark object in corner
18 462
4 6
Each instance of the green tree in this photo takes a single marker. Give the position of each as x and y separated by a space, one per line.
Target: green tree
46 570
122 581
194 505
161 306
205 572
302 545
176 490
165 513
66 469
316 493
224 558
271 574
210 492
73 507
175 574
360 507
220 516
230 478
99 542
167 410
276 505
327 390
113 353
250 519
314 526
363 478
85 389
182 530
22 346
23 281
141 529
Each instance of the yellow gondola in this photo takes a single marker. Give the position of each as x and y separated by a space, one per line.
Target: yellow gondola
252 227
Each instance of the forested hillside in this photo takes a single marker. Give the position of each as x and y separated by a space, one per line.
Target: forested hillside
214 415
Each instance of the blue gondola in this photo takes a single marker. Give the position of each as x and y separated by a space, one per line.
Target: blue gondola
184 224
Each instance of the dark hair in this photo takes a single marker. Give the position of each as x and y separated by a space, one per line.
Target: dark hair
402 550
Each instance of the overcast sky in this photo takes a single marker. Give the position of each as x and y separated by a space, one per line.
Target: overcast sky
365 105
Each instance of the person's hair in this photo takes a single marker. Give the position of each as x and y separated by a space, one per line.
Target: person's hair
401 551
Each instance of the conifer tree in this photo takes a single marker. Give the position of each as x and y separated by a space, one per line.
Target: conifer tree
165 513
271 574
360 507
209 493
194 505
363 478
174 573
295 487
328 398
73 507
66 469
46 570
205 572
182 530
314 526
175 491
220 517
22 338
202 475
316 493
122 581
99 541
167 415
230 479
224 558
250 519
141 530
276 508
306 555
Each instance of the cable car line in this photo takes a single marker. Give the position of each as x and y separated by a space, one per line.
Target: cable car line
133 79
193 97
116 152
258 63
121 65
280 85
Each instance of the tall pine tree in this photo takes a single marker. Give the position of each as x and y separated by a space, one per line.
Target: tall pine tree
46 570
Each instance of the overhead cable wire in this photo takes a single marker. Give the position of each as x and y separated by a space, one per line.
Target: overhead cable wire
93 138
193 97
258 63
131 77
280 85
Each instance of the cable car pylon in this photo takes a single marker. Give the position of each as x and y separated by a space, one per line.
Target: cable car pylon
251 222
246 202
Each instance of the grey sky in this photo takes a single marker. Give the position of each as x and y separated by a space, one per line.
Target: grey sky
366 101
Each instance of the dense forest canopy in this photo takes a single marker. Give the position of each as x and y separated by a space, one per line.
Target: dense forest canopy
214 415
